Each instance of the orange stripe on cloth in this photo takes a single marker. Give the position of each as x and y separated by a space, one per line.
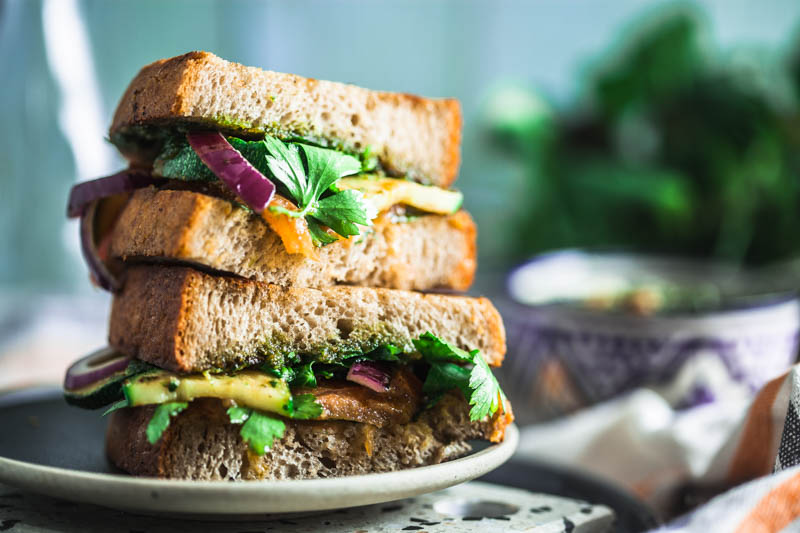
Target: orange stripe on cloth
753 457
776 510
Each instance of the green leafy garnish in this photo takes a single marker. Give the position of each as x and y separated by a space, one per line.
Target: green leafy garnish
387 352
304 376
433 348
318 234
115 406
442 378
487 397
340 211
285 373
161 418
259 431
297 376
238 415
305 407
369 159
285 164
306 173
452 367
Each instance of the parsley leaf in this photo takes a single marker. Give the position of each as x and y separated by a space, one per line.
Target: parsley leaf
286 166
304 376
325 167
238 415
442 378
160 420
121 404
320 236
259 431
369 159
452 367
435 349
305 407
487 397
285 373
387 352
341 210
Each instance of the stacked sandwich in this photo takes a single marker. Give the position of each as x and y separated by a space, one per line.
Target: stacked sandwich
284 254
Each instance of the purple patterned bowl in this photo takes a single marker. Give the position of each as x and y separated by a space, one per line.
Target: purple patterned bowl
585 327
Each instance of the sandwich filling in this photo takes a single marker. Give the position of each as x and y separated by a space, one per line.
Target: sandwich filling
309 195
381 388
321 194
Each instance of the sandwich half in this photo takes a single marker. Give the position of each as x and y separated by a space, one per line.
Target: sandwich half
358 180
212 377
265 250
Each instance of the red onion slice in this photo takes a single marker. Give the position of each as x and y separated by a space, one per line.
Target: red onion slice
87 192
98 269
369 374
255 189
95 367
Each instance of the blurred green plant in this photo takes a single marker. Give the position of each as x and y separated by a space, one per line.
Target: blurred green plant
674 150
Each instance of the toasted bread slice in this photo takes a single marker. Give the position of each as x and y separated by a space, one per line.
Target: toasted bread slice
202 444
184 320
424 253
410 135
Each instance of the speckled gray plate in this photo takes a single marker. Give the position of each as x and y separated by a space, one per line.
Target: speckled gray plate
53 449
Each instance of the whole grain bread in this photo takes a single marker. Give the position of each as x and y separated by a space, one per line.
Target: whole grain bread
410 135
424 253
184 320
201 444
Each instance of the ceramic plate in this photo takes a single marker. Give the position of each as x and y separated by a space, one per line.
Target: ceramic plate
51 448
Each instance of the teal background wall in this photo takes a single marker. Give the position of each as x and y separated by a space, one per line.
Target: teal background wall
461 48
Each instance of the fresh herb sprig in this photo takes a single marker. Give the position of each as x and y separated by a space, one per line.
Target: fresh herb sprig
342 211
305 173
259 430
160 420
454 368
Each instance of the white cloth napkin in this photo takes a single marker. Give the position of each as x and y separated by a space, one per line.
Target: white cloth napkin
658 451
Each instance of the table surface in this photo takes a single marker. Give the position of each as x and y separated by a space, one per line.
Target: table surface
473 506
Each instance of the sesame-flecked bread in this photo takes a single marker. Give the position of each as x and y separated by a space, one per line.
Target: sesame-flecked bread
410 135
428 252
184 320
201 444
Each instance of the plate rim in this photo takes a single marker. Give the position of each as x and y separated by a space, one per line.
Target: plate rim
249 497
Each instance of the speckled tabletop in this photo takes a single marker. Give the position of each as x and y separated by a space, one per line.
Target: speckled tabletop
472 506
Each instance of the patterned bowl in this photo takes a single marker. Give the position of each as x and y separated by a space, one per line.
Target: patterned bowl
585 327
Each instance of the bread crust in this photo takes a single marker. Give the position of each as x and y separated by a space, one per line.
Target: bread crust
411 135
184 320
182 226
202 444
